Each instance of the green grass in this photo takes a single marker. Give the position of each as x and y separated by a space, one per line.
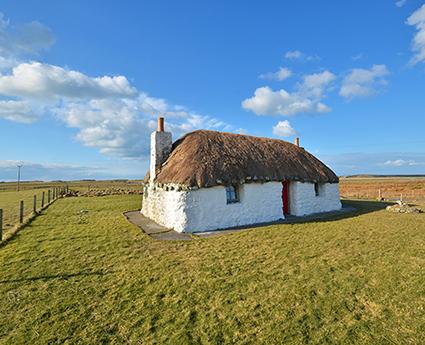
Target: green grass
10 201
94 278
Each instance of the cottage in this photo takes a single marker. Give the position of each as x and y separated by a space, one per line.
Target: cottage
211 180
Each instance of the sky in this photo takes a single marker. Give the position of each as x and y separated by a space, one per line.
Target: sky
82 82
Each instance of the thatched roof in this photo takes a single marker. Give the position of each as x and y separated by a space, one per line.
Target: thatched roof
207 158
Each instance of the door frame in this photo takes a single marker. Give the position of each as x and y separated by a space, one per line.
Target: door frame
285 197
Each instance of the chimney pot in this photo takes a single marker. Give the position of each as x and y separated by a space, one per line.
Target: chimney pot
297 141
160 124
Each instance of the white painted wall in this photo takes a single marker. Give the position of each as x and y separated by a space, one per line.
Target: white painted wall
166 208
206 208
303 200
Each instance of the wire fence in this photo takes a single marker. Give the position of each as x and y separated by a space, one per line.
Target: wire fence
18 207
379 194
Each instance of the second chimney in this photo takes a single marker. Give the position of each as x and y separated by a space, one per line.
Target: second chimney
297 141
160 124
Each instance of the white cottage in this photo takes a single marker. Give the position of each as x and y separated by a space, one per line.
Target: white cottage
211 180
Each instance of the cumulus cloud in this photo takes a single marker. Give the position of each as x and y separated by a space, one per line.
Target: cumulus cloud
122 126
282 74
306 98
17 111
283 129
44 81
109 113
417 19
362 82
28 38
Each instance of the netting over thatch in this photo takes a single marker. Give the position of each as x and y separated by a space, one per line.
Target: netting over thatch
208 158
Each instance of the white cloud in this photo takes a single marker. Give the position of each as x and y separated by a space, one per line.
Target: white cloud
44 81
283 129
17 111
362 82
28 38
108 113
417 19
122 126
400 3
314 85
298 55
282 74
293 54
402 163
307 97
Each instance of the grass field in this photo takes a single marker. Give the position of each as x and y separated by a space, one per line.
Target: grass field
10 201
94 278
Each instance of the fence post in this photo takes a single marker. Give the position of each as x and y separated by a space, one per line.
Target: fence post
1 224
21 212
48 196
42 200
34 206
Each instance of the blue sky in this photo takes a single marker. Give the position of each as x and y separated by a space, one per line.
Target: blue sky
81 82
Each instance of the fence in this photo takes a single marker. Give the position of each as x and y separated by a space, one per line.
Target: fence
29 205
379 194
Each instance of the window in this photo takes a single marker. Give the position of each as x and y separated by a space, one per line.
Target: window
232 194
318 188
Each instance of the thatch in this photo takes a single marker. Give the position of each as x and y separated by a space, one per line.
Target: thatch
207 158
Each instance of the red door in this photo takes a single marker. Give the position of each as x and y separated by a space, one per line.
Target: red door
285 197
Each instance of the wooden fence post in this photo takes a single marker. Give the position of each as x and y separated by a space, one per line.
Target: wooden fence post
34 205
1 224
48 196
42 200
21 212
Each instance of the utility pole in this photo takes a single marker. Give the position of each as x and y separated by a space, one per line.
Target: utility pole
19 175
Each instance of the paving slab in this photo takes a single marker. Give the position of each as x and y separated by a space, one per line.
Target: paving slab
147 225
153 229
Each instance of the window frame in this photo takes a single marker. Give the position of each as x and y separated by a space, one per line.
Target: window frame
318 189
232 194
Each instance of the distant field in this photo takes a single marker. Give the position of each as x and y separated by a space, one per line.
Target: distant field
10 198
392 188
96 279
84 185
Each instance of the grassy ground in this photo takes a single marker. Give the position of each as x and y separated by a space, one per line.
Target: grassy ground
93 278
10 201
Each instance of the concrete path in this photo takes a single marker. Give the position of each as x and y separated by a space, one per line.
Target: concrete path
160 232
153 229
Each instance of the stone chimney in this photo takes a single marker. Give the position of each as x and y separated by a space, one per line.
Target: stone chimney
161 143
297 142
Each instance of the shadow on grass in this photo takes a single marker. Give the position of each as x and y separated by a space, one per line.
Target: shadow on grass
63 276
